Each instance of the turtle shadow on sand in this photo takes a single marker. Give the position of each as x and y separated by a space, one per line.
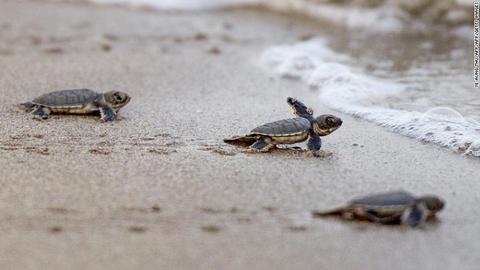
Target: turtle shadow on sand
280 151
431 223
292 151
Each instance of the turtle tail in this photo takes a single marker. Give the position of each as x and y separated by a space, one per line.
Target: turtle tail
241 140
328 213
27 106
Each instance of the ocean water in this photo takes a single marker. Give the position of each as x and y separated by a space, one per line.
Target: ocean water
421 101
385 18
419 86
177 4
374 15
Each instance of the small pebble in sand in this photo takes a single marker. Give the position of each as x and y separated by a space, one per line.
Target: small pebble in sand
269 209
55 229
137 229
214 50
54 50
156 208
38 136
200 37
211 229
106 47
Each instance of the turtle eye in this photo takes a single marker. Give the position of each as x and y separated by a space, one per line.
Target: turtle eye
331 120
118 98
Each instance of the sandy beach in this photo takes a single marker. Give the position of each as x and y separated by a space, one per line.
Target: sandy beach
160 190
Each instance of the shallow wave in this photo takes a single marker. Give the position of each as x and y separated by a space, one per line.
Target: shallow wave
178 4
379 19
357 94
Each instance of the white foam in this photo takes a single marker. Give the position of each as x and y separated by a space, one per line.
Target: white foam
354 93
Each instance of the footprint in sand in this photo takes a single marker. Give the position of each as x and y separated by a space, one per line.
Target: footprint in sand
137 229
99 151
162 151
213 229
55 229
219 149
155 209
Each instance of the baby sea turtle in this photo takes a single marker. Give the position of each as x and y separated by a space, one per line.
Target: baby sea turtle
78 101
290 131
398 207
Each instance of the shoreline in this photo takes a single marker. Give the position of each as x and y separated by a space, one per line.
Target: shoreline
88 201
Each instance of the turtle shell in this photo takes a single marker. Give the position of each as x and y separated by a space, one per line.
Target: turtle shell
75 98
286 127
286 131
386 203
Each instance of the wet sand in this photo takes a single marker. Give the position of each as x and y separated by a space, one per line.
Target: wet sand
159 189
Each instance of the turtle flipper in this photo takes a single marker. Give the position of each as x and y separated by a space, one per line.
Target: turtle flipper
41 113
415 215
27 106
314 144
241 140
352 213
329 213
107 114
300 109
264 144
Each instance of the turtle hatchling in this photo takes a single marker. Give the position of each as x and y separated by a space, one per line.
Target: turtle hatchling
78 101
290 131
398 207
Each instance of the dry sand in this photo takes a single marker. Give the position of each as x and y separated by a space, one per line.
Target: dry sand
159 190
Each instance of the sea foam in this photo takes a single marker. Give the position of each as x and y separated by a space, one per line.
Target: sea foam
355 93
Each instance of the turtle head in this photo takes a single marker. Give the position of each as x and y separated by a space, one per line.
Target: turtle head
433 203
116 99
423 208
326 124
